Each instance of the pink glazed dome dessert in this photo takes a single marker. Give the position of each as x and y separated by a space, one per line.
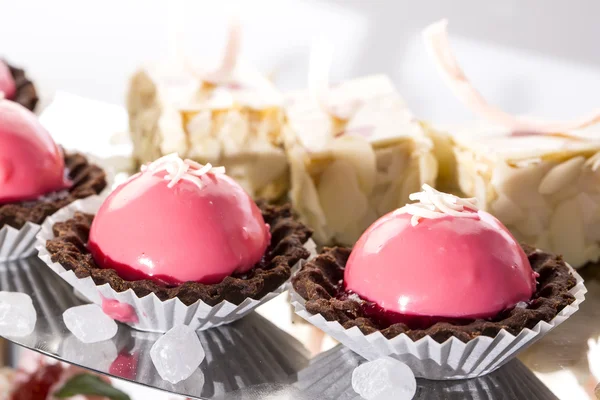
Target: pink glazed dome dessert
216 229
180 229
16 87
31 164
439 267
457 262
36 177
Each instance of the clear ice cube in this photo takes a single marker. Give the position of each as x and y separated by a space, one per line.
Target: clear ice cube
17 314
177 354
89 324
384 379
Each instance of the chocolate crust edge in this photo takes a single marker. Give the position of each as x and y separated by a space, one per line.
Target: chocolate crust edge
88 179
26 94
318 283
288 236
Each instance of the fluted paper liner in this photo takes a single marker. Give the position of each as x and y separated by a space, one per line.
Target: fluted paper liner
452 359
17 244
329 376
154 315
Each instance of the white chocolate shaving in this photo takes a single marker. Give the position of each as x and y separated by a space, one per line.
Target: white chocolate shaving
232 51
319 65
436 39
434 204
178 170
230 57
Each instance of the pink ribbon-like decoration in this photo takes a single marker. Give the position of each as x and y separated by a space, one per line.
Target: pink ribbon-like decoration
224 72
232 50
436 39
321 57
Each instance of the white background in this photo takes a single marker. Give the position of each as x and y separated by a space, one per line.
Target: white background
528 56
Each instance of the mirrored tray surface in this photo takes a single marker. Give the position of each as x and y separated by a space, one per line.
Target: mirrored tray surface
248 359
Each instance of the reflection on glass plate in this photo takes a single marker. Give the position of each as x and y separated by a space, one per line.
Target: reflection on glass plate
330 376
249 352
248 359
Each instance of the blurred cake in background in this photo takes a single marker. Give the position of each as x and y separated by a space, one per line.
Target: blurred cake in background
355 152
541 179
16 87
231 117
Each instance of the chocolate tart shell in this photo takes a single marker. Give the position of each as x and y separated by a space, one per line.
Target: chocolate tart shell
88 179
320 281
288 236
26 94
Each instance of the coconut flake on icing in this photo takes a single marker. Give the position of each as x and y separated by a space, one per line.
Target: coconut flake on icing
178 169
434 204
436 39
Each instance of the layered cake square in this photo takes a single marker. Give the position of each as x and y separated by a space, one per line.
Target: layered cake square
234 122
544 188
348 171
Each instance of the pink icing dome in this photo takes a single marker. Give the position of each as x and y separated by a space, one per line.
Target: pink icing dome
31 164
178 221
460 265
7 82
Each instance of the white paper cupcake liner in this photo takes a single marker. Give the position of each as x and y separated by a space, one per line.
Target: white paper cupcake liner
452 359
154 315
17 244
329 376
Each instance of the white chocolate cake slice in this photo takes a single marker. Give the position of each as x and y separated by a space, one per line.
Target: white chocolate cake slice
545 189
348 171
543 185
232 117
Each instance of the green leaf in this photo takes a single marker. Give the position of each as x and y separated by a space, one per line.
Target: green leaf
89 385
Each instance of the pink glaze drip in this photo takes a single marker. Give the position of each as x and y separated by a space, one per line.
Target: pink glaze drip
449 267
145 229
118 311
7 82
31 164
